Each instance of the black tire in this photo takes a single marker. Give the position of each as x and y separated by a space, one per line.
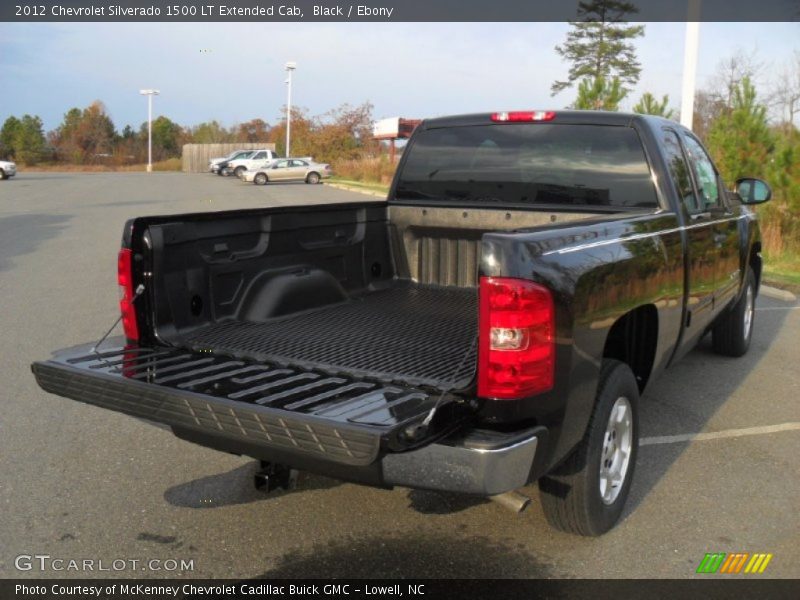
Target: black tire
733 330
3 175
312 178
238 171
260 179
571 495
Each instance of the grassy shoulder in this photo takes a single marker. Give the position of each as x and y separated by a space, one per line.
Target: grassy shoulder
361 185
783 273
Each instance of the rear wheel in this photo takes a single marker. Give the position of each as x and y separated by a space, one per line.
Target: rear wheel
733 330
587 493
260 179
3 174
238 171
312 178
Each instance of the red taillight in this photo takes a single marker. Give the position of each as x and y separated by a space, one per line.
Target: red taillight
126 294
523 116
516 351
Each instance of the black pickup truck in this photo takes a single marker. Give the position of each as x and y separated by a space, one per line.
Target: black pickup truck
492 324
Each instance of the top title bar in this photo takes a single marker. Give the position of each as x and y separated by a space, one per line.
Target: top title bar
392 11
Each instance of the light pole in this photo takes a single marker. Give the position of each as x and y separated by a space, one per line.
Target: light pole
289 66
690 48
149 94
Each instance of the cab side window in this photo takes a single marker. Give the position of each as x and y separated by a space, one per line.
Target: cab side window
705 174
679 171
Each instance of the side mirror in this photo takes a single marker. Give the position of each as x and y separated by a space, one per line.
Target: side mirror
752 190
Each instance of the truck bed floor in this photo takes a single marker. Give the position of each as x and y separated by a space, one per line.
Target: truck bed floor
418 334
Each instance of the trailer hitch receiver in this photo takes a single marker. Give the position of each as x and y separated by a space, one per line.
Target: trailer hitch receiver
272 476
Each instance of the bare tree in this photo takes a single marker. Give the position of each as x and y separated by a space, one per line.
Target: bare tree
784 98
718 95
707 107
730 73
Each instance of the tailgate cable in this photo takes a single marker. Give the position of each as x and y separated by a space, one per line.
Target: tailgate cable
139 291
423 427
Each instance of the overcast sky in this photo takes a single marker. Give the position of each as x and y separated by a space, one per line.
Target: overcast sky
234 72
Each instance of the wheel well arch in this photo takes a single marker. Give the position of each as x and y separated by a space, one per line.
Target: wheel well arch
310 173
632 339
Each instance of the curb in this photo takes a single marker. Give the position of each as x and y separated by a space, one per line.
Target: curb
777 294
357 190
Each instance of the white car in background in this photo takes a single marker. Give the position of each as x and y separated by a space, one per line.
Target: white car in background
7 169
288 169
215 165
240 165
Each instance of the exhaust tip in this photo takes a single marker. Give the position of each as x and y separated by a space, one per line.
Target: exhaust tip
513 501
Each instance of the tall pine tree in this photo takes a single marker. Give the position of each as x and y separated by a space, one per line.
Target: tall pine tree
29 142
22 139
8 136
599 45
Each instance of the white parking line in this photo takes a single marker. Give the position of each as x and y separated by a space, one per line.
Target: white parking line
715 435
779 308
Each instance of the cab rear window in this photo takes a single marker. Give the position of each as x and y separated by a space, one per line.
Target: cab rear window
540 164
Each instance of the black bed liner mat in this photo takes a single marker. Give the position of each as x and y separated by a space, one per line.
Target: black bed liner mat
313 413
415 334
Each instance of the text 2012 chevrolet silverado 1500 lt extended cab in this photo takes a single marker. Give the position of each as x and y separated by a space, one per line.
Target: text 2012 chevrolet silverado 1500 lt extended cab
493 324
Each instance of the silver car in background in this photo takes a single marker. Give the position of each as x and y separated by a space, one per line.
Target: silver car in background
288 169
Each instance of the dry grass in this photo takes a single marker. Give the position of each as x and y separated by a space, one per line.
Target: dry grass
378 170
781 246
774 244
780 233
171 164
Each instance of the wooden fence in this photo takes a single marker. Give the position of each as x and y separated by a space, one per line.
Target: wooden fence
196 156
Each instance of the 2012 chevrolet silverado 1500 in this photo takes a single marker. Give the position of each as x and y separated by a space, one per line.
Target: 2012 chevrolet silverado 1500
493 324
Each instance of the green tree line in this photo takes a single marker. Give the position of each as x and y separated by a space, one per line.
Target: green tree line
89 136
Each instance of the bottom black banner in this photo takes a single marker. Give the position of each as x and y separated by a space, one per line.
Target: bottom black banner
428 589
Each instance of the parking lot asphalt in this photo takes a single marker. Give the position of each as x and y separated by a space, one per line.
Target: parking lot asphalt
79 482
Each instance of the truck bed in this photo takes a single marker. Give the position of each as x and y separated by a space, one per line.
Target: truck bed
416 334
352 290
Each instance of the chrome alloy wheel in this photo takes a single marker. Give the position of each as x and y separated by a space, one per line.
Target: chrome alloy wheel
748 311
616 455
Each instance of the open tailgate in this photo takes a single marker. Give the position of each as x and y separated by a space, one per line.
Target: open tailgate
323 415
